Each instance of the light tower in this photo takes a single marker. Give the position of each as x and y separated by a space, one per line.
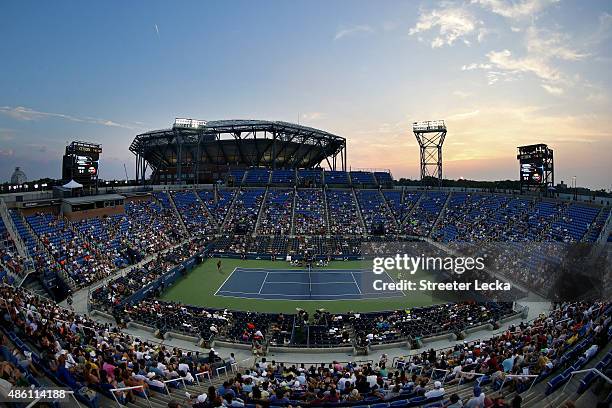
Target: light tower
430 135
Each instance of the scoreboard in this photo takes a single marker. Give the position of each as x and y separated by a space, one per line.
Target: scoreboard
532 171
536 166
81 163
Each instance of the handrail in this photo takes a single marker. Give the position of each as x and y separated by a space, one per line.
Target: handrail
588 370
69 392
441 370
534 376
466 373
206 373
166 382
113 390
416 366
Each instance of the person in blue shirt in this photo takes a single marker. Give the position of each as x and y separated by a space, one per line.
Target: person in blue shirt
508 363
279 397
64 375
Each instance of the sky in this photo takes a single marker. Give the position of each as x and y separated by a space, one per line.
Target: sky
501 74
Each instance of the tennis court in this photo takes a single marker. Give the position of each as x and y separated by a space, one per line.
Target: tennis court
303 284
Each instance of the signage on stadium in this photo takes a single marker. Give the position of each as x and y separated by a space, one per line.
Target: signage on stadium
429 125
189 123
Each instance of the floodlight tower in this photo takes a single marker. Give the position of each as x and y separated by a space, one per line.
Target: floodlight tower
430 134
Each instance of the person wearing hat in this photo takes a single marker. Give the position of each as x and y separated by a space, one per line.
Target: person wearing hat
153 380
198 401
437 391
212 356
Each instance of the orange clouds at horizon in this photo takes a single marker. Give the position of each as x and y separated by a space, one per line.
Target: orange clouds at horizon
481 144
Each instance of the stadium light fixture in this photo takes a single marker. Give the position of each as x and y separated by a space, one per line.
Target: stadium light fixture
430 135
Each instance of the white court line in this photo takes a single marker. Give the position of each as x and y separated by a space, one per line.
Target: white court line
226 279
263 283
283 296
326 271
356 284
307 283
393 280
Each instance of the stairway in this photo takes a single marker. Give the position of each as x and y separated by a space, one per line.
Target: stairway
178 214
160 400
602 219
413 208
326 209
260 212
441 214
230 210
71 283
207 211
22 250
292 230
388 210
34 285
569 391
361 221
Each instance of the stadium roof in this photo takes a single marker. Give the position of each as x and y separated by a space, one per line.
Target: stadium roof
237 143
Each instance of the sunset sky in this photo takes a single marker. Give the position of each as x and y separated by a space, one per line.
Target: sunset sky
501 73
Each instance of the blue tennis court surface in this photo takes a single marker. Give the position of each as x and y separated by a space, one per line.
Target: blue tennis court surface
302 284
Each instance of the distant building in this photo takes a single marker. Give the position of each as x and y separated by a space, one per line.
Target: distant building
18 177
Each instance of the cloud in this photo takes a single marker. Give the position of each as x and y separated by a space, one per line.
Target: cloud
28 114
7 152
553 90
463 115
505 61
462 94
451 24
157 30
550 44
543 48
470 67
312 115
515 9
349 31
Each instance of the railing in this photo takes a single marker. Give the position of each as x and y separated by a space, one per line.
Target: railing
112 391
166 382
206 373
441 371
422 367
589 370
534 376
68 392
463 374
224 368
